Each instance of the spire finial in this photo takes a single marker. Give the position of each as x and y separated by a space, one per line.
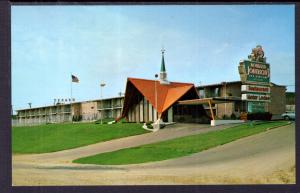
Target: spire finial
163 73
163 50
162 68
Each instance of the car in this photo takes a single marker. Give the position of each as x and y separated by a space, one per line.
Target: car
288 115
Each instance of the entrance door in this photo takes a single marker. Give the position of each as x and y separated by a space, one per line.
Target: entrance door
190 114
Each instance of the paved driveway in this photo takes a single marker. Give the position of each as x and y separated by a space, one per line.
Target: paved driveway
263 158
66 156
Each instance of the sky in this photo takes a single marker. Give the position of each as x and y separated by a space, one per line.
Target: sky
203 43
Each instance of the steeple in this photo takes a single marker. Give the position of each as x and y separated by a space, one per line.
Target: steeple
162 67
163 73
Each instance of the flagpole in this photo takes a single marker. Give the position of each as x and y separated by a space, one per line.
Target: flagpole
71 100
71 88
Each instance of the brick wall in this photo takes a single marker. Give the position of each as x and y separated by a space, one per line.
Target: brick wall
89 110
278 100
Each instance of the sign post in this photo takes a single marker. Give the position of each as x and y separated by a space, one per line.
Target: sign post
255 77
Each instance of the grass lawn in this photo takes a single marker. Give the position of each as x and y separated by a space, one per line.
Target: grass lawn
56 137
177 147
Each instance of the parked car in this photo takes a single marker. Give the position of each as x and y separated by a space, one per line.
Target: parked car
288 115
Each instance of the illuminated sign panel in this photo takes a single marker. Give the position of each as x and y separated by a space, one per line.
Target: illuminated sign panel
256 97
257 71
255 107
254 72
255 88
255 78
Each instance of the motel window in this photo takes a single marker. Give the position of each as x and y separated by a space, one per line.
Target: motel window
241 105
201 93
217 92
237 106
209 92
244 106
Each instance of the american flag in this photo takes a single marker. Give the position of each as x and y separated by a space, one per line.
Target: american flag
75 79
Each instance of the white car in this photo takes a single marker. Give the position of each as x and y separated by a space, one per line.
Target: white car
288 115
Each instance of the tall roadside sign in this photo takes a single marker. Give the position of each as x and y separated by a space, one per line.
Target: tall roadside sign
255 77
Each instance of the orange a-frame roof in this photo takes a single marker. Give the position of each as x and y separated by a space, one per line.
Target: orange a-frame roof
167 94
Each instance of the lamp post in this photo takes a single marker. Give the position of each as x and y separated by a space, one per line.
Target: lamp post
155 90
101 86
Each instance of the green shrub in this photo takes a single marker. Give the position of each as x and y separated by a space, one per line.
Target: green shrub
233 116
76 118
259 116
181 119
149 124
206 119
225 117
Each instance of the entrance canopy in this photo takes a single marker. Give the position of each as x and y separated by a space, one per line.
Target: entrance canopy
213 100
209 101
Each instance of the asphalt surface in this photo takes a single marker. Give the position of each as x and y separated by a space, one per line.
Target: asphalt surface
263 158
170 132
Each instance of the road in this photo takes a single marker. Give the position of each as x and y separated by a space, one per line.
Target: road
263 158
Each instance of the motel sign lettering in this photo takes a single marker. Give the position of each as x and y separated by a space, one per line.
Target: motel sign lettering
256 72
258 69
255 89
255 97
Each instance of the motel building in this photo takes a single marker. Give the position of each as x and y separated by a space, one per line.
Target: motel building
231 92
61 112
162 101
152 100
